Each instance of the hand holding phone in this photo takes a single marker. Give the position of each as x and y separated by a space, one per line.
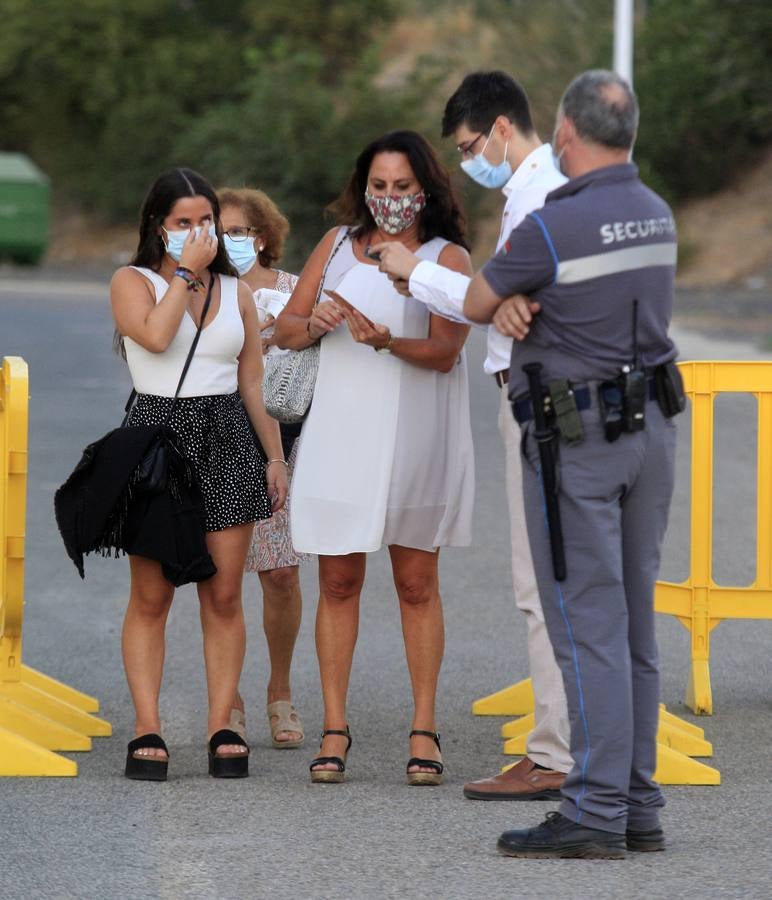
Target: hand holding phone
346 306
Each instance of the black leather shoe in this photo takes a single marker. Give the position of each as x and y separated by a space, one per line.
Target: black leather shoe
645 841
559 838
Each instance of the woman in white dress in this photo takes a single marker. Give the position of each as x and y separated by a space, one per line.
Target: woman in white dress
385 457
255 232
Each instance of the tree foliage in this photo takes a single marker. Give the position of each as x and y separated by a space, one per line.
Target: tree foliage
704 70
104 94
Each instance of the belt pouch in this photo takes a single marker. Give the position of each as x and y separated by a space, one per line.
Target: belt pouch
567 416
669 387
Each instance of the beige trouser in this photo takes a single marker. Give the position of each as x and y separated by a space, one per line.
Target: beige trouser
548 742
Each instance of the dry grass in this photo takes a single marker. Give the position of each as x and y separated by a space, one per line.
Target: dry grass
729 234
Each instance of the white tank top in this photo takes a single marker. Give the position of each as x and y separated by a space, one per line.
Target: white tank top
214 368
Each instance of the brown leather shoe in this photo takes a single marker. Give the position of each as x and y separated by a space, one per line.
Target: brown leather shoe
524 781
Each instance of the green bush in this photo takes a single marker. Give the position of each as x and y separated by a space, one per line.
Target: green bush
296 137
703 75
105 95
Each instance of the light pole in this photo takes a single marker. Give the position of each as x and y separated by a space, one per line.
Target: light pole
623 39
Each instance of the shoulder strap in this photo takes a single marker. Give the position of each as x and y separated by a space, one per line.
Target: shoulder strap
432 249
327 264
189 359
193 346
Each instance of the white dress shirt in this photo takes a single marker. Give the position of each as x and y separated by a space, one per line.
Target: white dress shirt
443 290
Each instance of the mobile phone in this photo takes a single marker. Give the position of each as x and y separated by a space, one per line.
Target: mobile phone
372 254
341 301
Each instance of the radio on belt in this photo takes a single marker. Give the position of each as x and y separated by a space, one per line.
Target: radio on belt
622 400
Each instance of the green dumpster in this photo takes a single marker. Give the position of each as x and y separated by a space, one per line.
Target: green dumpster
24 202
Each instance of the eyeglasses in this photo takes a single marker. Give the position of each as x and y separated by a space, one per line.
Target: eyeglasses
466 149
242 232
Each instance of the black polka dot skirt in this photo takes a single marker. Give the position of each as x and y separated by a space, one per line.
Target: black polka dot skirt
216 436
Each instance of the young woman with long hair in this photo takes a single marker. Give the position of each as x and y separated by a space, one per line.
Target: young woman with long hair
157 303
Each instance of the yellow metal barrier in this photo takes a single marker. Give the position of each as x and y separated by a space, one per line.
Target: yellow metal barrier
677 740
37 714
699 603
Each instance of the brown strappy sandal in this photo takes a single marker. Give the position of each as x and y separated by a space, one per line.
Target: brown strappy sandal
330 776
419 778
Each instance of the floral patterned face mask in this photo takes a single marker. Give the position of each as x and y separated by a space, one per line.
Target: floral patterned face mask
397 212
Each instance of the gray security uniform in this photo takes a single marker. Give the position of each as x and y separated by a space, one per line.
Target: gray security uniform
600 241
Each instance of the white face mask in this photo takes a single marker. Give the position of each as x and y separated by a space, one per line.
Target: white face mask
175 240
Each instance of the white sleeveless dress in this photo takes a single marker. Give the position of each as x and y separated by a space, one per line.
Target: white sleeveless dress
385 456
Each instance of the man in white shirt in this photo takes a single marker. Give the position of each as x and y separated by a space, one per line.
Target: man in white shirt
489 119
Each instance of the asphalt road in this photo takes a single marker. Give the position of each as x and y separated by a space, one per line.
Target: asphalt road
275 835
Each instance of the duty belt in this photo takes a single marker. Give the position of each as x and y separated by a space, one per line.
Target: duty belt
583 394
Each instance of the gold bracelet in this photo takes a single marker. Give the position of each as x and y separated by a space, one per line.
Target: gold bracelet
282 461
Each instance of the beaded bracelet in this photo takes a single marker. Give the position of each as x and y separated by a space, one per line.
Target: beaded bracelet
189 277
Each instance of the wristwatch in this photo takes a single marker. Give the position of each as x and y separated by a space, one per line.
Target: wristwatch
387 347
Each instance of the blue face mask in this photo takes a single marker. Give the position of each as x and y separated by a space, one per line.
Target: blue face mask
242 254
557 155
484 172
175 240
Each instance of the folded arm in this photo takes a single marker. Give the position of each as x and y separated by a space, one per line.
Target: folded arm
525 264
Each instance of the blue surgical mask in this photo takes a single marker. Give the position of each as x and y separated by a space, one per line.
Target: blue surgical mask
484 172
242 254
175 240
557 155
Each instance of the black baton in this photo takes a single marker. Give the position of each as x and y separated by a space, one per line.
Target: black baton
547 441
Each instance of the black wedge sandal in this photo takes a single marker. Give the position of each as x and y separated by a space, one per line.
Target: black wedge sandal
232 765
435 777
329 776
147 768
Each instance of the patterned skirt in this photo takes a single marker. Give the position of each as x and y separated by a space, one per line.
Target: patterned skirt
271 546
216 437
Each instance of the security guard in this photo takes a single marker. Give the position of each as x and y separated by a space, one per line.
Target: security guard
593 386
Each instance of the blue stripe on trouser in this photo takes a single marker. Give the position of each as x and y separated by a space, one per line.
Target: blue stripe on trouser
613 504
577 672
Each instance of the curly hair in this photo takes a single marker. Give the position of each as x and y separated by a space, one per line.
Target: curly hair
441 217
262 214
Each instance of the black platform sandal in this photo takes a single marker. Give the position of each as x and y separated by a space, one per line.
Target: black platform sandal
435 777
147 768
329 776
232 765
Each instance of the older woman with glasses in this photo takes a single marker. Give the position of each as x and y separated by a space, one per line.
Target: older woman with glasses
255 232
